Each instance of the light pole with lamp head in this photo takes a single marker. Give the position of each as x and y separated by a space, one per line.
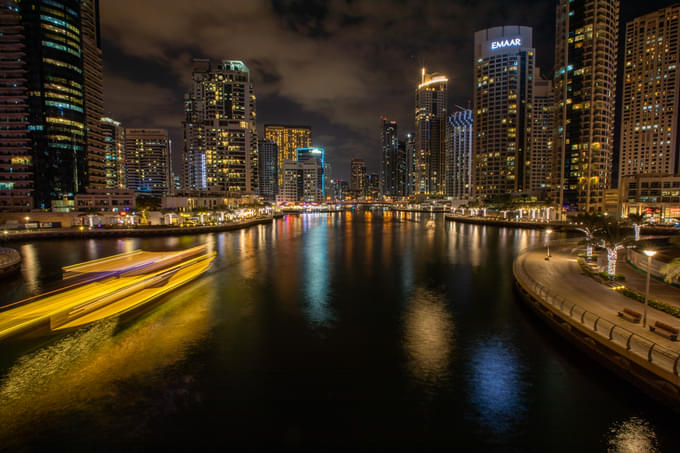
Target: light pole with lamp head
547 244
650 254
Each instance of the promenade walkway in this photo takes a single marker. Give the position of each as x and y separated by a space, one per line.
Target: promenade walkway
592 308
563 276
637 280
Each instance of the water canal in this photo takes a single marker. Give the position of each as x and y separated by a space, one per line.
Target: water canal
329 331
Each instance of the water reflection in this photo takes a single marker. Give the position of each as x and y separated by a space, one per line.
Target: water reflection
30 268
83 367
428 337
498 388
315 274
632 436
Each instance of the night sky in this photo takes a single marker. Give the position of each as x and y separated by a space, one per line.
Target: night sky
334 65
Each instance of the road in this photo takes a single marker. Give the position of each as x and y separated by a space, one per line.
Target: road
563 276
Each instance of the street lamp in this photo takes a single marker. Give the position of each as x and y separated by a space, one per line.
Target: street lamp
650 254
547 244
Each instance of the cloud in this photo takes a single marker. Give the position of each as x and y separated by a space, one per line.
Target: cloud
345 61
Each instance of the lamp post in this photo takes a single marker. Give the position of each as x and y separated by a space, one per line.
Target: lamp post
650 254
547 244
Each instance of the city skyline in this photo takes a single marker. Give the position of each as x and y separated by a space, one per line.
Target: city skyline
306 50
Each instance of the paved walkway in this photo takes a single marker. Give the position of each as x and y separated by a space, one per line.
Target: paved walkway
563 276
637 280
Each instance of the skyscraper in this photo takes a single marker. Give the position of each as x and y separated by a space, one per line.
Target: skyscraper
16 159
147 160
431 111
586 44
288 139
317 155
220 137
459 154
389 165
358 177
114 153
94 93
269 169
503 97
540 157
411 161
651 95
63 63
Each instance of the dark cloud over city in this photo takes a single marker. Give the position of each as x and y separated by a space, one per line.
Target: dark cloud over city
335 65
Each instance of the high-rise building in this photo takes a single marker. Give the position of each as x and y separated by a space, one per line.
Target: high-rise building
94 93
373 186
114 153
62 55
358 176
389 165
411 160
584 83
220 137
288 139
16 159
269 169
402 169
503 95
317 155
651 95
430 135
147 161
302 181
540 156
459 154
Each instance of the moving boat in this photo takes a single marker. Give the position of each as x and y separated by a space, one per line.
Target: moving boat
105 287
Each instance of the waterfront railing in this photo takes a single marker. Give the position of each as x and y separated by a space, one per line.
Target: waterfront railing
636 344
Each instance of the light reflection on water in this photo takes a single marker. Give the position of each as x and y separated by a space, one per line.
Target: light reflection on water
632 436
498 387
86 365
428 313
428 338
315 273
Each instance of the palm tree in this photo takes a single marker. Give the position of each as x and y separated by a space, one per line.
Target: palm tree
636 220
589 224
612 237
671 271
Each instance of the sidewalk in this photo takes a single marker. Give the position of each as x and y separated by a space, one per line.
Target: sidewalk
565 278
636 280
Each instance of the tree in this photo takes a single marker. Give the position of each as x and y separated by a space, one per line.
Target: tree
612 237
636 220
671 271
589 224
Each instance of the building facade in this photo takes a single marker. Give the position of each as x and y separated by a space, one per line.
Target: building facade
647 194
301 182
220 136
358 177
16 157
147 161
458 167
584 83
505 63
268 158
651 95
540 158
430 134
61 57
389 165
288 139
114 153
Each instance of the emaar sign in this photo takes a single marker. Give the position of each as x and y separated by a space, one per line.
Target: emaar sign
506 43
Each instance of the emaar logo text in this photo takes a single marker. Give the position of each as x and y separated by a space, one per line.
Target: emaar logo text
506 43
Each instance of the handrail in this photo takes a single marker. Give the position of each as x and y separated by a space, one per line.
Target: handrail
550 298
